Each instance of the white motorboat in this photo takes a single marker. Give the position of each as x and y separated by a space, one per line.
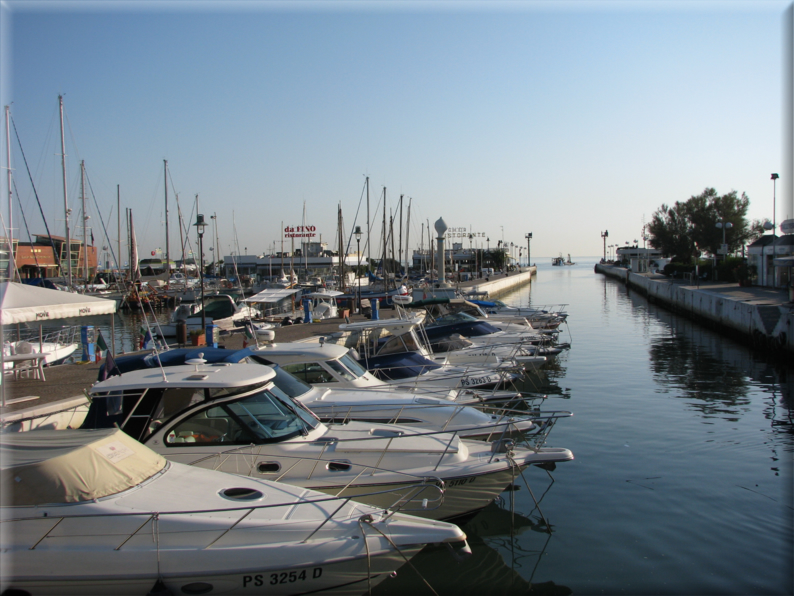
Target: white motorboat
338 405
323 304
325 364
442 342
546 316
233 418
97 513
56 353
391 351
220 310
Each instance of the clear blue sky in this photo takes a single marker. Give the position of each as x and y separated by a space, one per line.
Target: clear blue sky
560 119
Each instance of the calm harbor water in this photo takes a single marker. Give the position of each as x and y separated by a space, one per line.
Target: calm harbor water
682 482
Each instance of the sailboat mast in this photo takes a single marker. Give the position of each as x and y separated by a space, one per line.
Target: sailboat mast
383 261
400 243
391 237
11 265
408 258
167 251
369 255
65 200
129 243
216 269
118 223
341 248
85 219
181 237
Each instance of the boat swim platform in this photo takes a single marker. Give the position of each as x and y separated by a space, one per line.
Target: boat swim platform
762 315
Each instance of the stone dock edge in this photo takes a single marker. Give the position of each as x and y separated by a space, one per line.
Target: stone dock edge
764 316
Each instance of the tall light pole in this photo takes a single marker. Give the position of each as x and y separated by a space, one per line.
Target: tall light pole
604 236
528 236
200 225
724 225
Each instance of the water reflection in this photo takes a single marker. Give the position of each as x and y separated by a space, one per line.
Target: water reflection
499 563
714 385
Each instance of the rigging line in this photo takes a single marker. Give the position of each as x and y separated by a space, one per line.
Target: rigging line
102 221
358 209
36 194
71 135
10 240
27 229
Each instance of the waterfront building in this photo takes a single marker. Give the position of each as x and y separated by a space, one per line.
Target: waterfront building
37 259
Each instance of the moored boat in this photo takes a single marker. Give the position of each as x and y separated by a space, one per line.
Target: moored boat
96 513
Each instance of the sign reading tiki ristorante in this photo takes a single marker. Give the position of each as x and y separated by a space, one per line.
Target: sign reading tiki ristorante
300 232
462 233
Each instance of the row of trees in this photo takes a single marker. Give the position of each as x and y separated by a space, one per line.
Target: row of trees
688 229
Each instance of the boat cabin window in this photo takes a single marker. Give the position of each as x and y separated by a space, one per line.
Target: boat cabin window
458 317
216 392
310 372
352 365
398 344
288 383
337 367
262 417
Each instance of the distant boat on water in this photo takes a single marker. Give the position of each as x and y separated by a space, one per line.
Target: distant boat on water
560 261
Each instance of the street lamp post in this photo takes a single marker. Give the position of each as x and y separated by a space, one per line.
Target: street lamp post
200 225
723 225
528 236
604 236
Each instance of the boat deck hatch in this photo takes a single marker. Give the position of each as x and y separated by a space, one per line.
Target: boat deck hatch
241 494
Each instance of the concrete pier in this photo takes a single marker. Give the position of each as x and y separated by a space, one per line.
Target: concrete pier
502 283
763 316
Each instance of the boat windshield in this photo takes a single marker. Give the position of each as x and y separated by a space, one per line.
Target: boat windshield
352 365
337 367
267 416
288 383
458 317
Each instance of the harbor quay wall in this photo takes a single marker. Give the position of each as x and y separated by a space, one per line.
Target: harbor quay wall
768 324
497 285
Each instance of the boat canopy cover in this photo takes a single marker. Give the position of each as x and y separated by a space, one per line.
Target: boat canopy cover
70 466
324 294
21 303
173 357
273 296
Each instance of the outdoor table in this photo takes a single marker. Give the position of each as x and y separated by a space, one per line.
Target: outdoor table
38 362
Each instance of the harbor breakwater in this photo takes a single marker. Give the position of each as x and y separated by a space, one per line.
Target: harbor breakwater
501 284
764 316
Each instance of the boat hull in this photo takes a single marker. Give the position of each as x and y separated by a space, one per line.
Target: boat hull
342 577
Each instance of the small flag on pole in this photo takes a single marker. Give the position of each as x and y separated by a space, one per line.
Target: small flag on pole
110 366
249 333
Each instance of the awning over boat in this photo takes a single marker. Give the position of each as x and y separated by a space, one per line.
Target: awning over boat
324 294
22 303
70 466
272 296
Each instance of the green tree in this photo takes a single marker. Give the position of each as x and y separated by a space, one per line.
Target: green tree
670 232
687 229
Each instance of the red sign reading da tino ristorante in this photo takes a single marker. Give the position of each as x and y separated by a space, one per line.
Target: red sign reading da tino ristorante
300 232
